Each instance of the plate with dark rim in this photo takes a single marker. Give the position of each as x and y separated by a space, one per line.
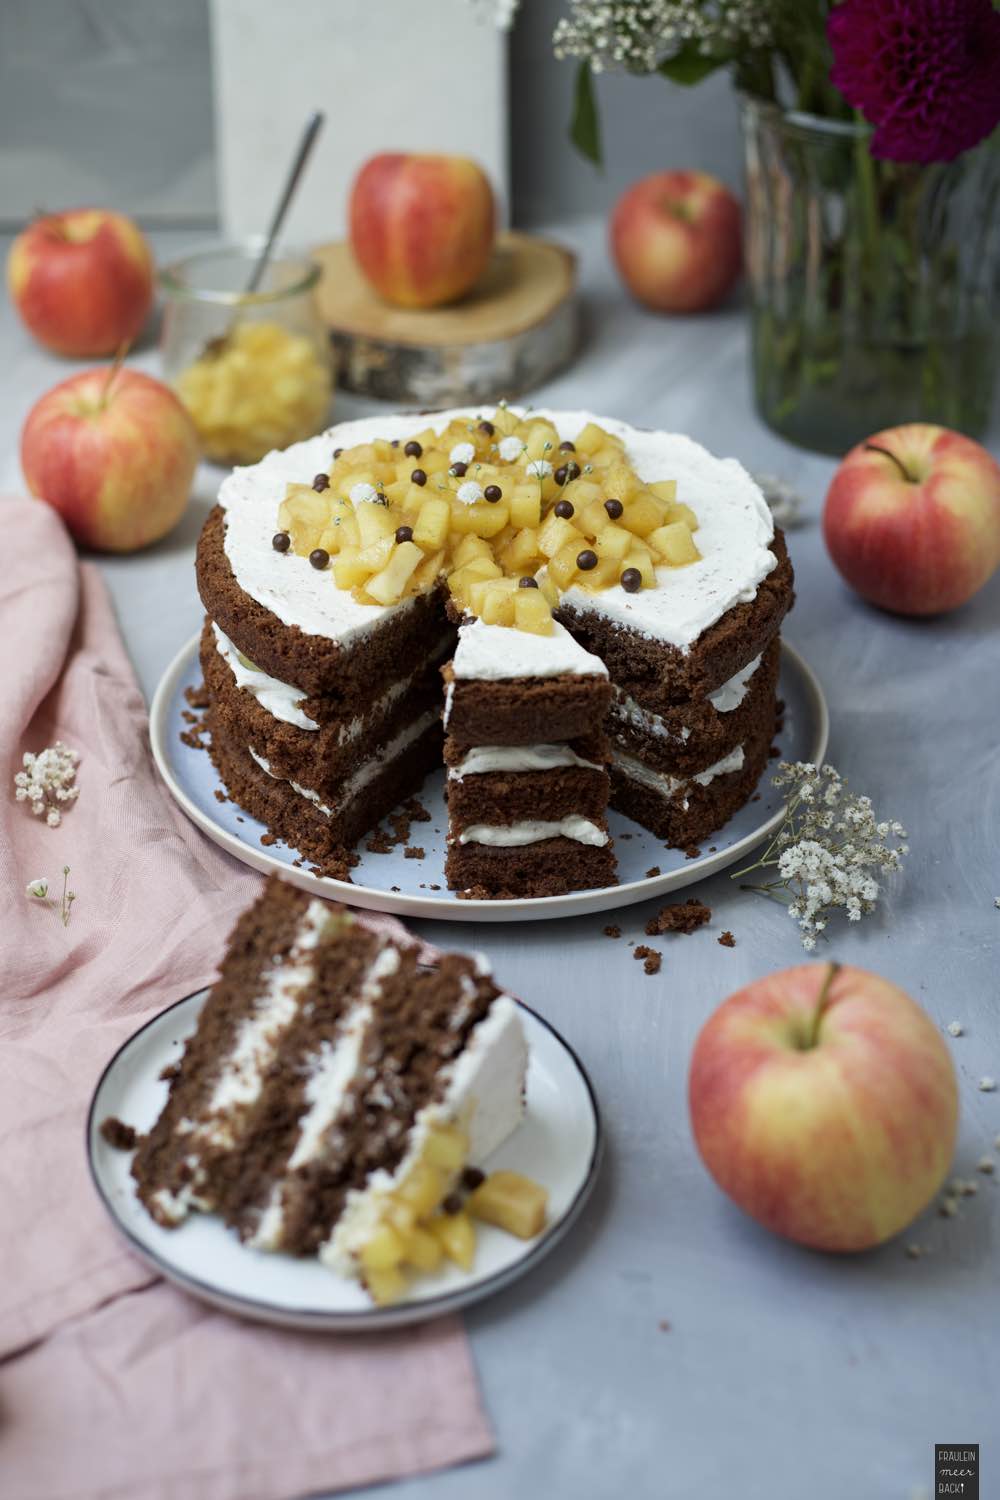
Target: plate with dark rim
416 887
559 1144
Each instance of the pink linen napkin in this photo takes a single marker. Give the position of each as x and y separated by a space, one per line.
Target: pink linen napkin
112 1383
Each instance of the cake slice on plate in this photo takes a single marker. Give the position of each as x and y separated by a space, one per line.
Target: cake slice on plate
527 760
336 1093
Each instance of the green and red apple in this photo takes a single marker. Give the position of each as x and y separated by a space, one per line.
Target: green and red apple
823 1100
422 227
82 281
676 238
114 452
912 519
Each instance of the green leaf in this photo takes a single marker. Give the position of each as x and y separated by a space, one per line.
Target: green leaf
690 65
585 126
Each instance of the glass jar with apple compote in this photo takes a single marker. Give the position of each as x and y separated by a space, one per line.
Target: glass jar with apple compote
254 368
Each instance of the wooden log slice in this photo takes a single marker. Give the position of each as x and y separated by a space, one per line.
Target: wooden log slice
515 329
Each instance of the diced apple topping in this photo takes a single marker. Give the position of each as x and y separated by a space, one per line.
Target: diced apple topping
427 1218
495 506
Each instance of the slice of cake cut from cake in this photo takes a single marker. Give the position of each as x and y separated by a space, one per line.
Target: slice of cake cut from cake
527 783
334 1091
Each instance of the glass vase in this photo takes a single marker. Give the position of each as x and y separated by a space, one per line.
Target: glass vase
874 285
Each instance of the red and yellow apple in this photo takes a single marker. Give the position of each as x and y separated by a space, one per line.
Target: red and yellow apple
824 1102
422 227
676 238
114 452
82 281
912 519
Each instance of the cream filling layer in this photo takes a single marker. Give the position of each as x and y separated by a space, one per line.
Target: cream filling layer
724 700
254 1049
671 786
533 831
484 759
331 1072
483 1092
279 699
364 774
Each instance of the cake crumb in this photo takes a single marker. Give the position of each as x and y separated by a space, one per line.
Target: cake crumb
413 851
170 1072
679 916
119 1136
955 1028
692 852
379 843
612 932
652 958
220 795
652 872
416 810
435 887
197 696
267 839
727 940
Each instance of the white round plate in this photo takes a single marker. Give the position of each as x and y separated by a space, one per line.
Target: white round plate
417 888
559 1144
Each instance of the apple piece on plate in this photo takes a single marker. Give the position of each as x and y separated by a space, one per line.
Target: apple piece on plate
676 238
82 281
114 452
422 227
912 519
824 1102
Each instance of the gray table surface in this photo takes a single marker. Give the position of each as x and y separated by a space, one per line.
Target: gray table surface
782 1373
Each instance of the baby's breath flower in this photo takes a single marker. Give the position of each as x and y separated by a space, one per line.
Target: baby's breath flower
829 853
38 889
637 35
47 782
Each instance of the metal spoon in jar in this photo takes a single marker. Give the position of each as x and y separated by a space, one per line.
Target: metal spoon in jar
217 345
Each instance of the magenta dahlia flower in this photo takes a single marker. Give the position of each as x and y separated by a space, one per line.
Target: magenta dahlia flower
925 73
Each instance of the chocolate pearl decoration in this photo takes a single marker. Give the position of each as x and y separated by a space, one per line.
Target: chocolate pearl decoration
564 510
319 558
321 483
567 447
614 508
404 533
527 583
586 560
452 1204
413 449
394 443
472 1177
487 428
418 477
560 475
337 452
493 493
631 580
458 470
281 541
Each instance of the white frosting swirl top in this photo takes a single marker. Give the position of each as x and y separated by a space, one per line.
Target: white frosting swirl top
733 536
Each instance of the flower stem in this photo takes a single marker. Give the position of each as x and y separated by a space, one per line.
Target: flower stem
822 1004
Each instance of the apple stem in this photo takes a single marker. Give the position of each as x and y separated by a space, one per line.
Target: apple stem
119 360
833 969
875 448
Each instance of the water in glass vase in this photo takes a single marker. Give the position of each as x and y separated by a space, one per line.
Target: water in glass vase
875 286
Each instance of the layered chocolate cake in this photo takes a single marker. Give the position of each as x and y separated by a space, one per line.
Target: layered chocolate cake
335 1091
334 573
527 758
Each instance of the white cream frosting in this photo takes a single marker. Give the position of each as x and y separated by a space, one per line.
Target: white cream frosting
366 772
484 759
731 694
279 699
483 1091
672 786
734 533
494 653
254 1049
532 831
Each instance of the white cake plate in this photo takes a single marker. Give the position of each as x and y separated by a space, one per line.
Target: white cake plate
559 1144
417 888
